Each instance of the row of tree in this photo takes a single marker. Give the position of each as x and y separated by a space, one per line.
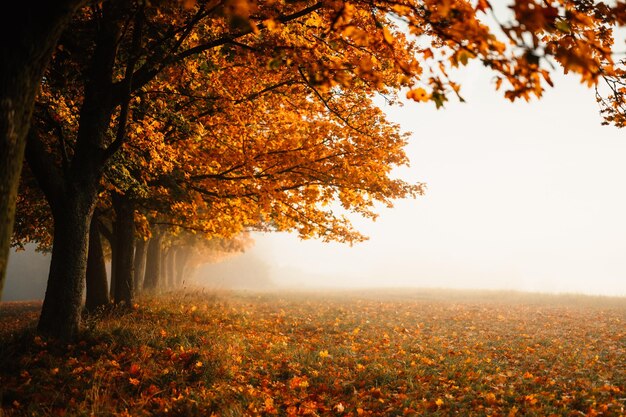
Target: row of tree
217 117
164 261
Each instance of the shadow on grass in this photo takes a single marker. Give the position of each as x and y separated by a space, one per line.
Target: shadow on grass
124 360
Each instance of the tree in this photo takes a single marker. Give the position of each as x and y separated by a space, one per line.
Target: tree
31 30
96 275
326 59
192 252
71 187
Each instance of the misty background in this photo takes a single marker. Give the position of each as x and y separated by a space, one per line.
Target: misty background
521 196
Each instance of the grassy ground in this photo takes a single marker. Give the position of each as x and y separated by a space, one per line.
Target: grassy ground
352 354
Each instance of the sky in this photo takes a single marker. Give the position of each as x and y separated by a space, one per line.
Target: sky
521 196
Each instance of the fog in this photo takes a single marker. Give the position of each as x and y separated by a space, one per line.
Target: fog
27 274
524 196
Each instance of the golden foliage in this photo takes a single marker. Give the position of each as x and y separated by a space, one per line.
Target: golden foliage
260 114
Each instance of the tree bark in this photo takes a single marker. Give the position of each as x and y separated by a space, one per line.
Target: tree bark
97 285
107 234
60 313
124 249
153 279
72 190
141 248
30 31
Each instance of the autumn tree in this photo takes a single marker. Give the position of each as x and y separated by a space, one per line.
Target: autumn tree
185 251
71 187
30 30
97 283
325 59
191 252
177 112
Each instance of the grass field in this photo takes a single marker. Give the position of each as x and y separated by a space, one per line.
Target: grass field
399 353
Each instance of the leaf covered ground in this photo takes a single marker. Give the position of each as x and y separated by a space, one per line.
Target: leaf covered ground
351 354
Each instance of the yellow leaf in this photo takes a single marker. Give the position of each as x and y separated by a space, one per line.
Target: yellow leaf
418 94
270 24
490 398
388 36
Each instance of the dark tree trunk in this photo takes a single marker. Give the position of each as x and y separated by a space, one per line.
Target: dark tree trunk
30 31
164 270
153 278
15 113
141 249
97 285
124 249
72 190
107 233
60 313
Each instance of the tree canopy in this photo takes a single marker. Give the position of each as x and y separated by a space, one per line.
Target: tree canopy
222 116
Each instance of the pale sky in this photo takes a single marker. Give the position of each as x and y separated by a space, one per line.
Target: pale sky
524 196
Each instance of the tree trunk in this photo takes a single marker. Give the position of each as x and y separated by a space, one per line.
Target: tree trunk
152 280
30 31
72 189
182 258
165 283
141 248
107 234
60 314
165 265
171 267
124 249
97 285
112 245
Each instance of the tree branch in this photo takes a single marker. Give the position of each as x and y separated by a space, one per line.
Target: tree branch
44 168
145 74
122 123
